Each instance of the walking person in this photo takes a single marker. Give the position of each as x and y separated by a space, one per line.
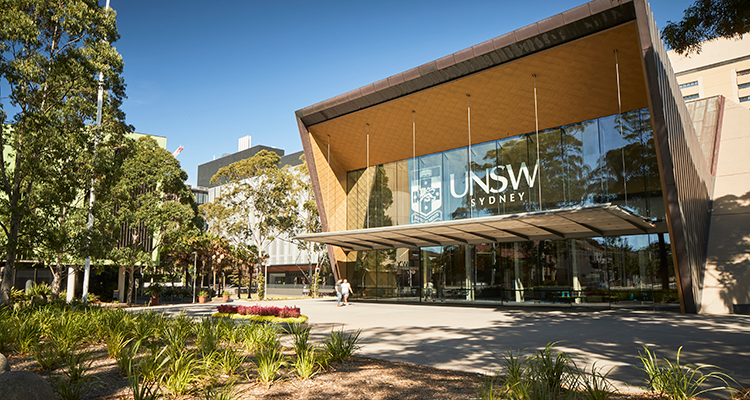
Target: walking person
338 293
346 290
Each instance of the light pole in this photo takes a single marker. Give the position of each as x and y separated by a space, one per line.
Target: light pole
195 271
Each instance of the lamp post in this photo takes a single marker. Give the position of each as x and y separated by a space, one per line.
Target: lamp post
195 271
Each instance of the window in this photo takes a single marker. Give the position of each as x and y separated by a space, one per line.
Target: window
743 72
743 85
691 97
744 99
689 84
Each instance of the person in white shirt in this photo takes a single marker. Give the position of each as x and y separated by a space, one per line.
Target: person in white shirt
346 290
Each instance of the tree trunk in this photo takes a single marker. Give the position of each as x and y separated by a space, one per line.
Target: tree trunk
131 284
10 260
57 273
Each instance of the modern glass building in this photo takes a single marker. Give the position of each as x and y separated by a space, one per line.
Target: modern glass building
556 164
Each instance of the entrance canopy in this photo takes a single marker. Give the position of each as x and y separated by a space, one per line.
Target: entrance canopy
596 220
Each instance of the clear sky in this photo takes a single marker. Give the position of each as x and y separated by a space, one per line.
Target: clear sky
205 73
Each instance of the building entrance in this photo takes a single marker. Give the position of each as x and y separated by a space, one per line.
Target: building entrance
623 270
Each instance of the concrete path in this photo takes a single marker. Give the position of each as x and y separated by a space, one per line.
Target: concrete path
475 339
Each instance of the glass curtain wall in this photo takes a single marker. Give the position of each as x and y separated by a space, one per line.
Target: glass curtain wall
618 270
606 160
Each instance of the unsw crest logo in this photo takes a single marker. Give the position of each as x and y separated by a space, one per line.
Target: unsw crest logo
426 196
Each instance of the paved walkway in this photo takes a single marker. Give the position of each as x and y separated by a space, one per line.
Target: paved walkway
475 339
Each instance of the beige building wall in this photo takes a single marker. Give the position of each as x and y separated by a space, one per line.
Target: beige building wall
721 68
726 280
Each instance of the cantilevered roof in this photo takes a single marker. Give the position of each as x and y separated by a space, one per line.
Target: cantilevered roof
596 220
572 58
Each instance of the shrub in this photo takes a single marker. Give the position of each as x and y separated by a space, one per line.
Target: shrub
679 382
271 311
340 345
225 309
289 312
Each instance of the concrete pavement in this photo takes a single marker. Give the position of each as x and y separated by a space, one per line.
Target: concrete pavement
475 339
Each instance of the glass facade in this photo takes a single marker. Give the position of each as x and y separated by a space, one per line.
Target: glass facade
605 160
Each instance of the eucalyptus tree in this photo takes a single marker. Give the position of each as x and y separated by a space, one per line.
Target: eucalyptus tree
307 219
256 205
51 54
706 20
148 204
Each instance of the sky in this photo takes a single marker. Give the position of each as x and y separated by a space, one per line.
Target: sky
205 73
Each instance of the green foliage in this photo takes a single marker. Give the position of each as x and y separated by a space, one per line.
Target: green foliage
141 389
207 335
268 362
75 382
706 20
261 337
40 289
181 374
595 386
229 361
307 363
225 393
46 355
489 388
341 345
301 337
679 382
549 372
52 54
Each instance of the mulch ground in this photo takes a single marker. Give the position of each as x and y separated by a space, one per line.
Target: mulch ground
358 378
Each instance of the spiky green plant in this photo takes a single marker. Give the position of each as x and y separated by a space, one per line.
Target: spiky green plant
141 389
516 386
75 382
225 393
490 388
27 335
549 373
261 337
229 361
268 362
181 374
206 335
153 365
117 341
301 337
596 385
680 382
306 363
46 355
340 345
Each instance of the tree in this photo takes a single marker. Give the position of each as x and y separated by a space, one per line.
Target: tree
149 204
707 20
256 204
307 220
50 57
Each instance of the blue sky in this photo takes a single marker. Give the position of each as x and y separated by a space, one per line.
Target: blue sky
205 73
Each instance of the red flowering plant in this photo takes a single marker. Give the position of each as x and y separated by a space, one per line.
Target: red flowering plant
225 309
271 311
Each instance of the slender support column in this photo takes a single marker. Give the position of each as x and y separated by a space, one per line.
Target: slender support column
575 269
121 285
518 272
71 287
469 264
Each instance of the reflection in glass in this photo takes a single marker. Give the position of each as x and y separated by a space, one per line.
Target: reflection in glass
580 164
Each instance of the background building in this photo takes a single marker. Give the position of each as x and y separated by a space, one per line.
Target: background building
716 86
286 262
555 164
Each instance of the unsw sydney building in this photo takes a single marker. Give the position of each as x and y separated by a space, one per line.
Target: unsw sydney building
557 164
